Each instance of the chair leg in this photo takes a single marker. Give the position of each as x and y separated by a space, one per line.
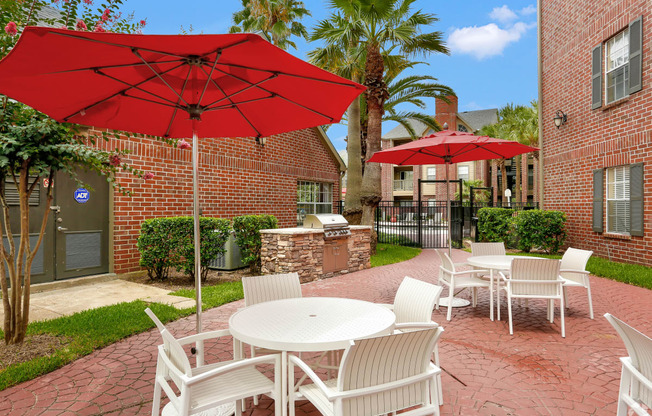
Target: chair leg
475 297
450 303
509 312
563 288
625 382
498 301
239 407
561 316
440 392
588 291
156 401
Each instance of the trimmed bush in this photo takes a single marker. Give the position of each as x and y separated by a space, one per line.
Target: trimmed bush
168 242
496 225
545 230
247 237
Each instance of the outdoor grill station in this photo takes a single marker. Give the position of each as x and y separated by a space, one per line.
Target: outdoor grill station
325 246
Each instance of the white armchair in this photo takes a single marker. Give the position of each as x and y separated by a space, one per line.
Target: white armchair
636 377
204 388
377 376
270 287
460 280
573 272
534 279
488 249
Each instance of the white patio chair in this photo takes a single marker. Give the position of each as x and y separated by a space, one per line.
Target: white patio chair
573 272
270 287
460 280
377 376
636 377
488 249
205 388
413 305
534 279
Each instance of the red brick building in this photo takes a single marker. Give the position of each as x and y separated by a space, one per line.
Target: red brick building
291 174
596 60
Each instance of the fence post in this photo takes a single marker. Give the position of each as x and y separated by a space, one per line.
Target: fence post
419 214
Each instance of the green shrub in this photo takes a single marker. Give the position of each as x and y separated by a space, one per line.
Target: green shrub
495 225
247 236
155 245
545 230
169 242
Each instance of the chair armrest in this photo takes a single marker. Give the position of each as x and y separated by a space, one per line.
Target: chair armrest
431 372
627 363
249 362
310 373
574 271
389 306
204 336
470 271
502 276
416 325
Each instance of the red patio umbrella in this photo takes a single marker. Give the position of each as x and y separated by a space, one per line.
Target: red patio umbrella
164 85
448 147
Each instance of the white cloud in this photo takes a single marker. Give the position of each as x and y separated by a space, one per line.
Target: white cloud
528 10
486 41
503 14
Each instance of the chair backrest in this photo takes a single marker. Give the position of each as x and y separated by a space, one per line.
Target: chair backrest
447 265
525 272
639 348
379 360
488 249
575 259
415 300
270 287
173 350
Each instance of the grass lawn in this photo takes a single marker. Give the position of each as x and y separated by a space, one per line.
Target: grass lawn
82 333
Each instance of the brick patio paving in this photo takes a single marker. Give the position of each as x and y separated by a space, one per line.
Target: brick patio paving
486 371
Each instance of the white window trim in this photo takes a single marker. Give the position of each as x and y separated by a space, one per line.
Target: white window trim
625 34
625 197
428 174
468 172
318 197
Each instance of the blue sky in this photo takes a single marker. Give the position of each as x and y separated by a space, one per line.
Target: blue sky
493 58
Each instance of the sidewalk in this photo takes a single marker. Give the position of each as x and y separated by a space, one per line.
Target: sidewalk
486 371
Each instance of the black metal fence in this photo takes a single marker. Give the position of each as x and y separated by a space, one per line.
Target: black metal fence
425 225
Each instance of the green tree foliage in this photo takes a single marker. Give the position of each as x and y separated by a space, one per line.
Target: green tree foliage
480 196
276 20
31 144
544 230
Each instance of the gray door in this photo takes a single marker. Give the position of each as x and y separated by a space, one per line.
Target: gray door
81 226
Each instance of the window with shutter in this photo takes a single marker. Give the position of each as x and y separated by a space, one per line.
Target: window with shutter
598 200
596 77
636 199
618 203
617 67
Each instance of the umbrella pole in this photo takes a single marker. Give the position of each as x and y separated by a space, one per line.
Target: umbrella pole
195 214
448 211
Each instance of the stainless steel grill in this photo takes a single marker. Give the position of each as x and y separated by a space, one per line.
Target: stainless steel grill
334 225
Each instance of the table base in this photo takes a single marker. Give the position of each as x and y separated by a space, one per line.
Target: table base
223 410
457 302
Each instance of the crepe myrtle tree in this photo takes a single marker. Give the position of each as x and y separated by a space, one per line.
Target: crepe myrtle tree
34 146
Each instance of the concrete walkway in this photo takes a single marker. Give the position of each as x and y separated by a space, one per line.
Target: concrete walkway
486 370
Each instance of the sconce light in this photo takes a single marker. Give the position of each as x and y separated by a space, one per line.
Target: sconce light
261 140
559 118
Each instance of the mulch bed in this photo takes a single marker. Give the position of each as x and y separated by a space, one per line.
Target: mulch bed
35 346
178 280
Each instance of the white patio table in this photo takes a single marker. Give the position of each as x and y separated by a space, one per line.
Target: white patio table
308 325
493 263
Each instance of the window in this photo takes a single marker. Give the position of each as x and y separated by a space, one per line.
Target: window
461 127
463 172
313 198
621 202
623 65
618 200
431 174
616 66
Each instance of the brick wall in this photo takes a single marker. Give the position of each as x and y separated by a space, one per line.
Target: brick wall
236 177
616 134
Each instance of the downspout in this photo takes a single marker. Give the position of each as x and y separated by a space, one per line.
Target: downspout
540 94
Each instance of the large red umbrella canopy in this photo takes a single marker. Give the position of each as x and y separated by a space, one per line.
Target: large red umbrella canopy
447 147
238 84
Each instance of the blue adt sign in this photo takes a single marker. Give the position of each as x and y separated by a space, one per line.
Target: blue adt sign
82 195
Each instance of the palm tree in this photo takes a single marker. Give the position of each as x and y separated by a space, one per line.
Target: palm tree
384 26
275 20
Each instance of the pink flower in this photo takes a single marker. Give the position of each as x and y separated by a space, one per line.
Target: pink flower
143 22
148 176
81 25
183 145
99 28
114 160
89 2
11 29
106 15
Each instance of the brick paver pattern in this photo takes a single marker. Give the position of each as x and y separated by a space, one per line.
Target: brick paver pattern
486 371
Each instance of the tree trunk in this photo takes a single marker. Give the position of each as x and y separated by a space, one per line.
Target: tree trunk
376 95
352 204
503 174
517 160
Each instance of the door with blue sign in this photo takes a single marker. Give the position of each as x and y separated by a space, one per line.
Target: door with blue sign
81 225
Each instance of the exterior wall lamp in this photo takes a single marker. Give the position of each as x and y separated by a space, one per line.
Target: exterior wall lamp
559 118
261 140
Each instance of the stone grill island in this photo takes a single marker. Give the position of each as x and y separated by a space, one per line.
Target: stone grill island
325 247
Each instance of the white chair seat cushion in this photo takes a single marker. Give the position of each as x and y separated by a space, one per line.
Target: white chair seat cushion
316 396
229 386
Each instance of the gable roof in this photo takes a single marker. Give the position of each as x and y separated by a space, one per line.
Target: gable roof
479 118
400 132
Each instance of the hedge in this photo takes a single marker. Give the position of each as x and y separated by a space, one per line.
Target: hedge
495 225
247 237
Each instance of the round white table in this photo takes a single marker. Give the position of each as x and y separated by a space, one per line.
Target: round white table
493 263
308 324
